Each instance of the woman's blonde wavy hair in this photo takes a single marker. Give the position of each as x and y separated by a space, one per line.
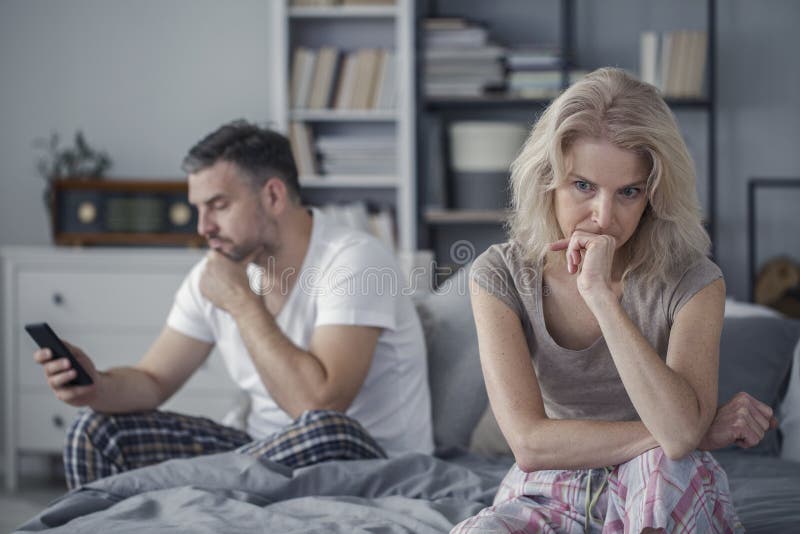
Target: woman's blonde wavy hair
611 104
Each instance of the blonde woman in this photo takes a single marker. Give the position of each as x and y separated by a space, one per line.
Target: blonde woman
599 325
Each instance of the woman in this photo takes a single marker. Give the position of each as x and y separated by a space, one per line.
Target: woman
599 325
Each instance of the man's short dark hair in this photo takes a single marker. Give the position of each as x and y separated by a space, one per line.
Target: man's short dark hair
260 152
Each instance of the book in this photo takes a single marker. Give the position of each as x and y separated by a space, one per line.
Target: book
306 60
444 23
368 2
533 57
699 51
675 61
294 80
365 78
682 65
378 73
301 142
648 58
313 3
667 61
344 89
321 86
386 92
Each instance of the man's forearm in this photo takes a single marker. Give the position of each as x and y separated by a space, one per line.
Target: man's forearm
125 390
295 378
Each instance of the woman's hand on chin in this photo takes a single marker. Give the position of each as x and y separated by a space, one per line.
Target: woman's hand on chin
591 257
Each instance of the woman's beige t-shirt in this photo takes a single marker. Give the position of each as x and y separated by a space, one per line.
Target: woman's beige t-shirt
584 384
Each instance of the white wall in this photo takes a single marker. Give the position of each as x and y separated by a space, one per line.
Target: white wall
143 79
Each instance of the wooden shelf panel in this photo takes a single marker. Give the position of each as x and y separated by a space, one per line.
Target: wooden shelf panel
354 181
353 115
443 217
123 238
347 12
502 101
483 102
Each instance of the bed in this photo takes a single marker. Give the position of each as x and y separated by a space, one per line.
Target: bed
429 494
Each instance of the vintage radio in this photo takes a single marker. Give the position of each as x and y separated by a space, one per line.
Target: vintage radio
123 212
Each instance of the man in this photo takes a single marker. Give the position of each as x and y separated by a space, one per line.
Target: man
333 363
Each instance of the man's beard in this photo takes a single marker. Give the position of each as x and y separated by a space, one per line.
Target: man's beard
255 252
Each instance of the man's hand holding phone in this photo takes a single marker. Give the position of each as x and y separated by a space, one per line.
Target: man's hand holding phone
60 372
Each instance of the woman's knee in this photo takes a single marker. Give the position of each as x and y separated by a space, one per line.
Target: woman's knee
656 459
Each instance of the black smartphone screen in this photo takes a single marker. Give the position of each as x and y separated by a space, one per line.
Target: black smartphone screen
47 339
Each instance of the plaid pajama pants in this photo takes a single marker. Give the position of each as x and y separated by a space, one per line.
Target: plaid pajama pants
680 496
99 445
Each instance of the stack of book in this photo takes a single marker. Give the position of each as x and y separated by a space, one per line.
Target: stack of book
674 62
331 79
357 154
540 84
459 60
533 71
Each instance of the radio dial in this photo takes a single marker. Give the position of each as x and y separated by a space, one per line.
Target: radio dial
180 214
87 212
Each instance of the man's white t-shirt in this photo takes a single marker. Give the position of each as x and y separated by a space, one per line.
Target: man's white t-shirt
348 277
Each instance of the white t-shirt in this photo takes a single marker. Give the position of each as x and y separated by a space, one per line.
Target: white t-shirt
347 278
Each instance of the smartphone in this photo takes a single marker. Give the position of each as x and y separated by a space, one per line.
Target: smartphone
47 339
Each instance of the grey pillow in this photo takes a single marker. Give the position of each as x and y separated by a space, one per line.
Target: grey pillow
755 357
458 394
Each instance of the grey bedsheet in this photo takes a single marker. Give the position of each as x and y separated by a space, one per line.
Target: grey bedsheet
414 493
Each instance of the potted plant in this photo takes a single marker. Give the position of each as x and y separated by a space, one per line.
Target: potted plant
78 162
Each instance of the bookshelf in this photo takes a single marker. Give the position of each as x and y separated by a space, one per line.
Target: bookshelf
336 176
587 37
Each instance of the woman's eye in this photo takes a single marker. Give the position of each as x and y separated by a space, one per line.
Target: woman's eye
580 185
631 192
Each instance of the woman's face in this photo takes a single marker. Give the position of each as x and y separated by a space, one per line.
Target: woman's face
604 191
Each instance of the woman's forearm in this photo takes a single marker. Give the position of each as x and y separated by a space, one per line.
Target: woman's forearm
580 444
666 403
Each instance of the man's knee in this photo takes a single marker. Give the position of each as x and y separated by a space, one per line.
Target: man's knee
89 425
324 416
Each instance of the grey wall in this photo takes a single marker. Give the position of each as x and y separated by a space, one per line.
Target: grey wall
759 129
143 79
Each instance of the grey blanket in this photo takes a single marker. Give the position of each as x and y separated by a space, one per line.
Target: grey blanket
414 493
235 493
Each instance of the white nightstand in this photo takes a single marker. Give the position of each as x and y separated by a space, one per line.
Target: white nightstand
110 302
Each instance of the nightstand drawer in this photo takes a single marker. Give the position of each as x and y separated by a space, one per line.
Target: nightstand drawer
43 420
122 299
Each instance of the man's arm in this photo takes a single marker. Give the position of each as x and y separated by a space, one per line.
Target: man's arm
328 376
166 366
